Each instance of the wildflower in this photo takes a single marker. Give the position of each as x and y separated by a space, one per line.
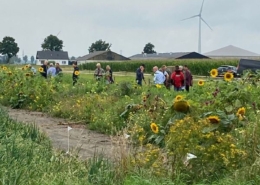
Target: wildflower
76 73
213 119
158 86
201 82
144 98
228 76
241 111
26 67
178 98
214 73
181 106
40 69
27 74
22 68
154 128
4 68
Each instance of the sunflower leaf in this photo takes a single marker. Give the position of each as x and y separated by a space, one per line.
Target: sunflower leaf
238 103
229 108
209 129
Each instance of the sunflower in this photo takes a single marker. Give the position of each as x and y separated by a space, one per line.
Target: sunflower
181 106
201 82
76 73
228 76
9 73
26 67
40 69
158 86
27 74
213 119
241 111
214 73
5 68
178 98
154 128
22 68
144 98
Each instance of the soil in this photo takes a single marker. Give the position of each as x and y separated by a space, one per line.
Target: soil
82 142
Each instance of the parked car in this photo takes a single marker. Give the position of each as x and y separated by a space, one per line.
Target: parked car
245 64
226 68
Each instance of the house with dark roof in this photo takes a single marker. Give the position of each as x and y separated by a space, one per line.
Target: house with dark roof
232 52
167 56
101 55
61 57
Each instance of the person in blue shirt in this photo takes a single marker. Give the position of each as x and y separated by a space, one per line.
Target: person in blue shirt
159 77
51 71
140 75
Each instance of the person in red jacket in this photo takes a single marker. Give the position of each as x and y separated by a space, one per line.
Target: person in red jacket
177 79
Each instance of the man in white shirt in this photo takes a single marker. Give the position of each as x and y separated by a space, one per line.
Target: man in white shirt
159 77
51 71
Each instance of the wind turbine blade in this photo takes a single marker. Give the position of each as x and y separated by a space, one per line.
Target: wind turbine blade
206 23
201 7
190 17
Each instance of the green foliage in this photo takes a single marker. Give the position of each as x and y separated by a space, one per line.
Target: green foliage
52 43
197 67
99 46
9 47
148 48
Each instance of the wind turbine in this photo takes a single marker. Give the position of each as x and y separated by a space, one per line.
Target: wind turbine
200 19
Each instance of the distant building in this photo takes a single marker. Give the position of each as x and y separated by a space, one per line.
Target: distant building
167 56
101 56
60 57
232 52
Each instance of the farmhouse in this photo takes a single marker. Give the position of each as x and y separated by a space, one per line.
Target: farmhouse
60 57
232 52
102 56
167 56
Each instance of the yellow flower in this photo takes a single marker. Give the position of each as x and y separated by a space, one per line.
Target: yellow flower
213 119
241 111
228 76
240 117
181 106
9 72
27 74
5 68
26 66
76 73
158 86
154 128
201 82
40 69
214 73
178 98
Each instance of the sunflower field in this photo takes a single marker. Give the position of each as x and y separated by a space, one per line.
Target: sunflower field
209 135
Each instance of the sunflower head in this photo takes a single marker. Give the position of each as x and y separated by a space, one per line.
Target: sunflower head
241 111
144 98
4 68
76 73
228 76
154 128
178 98
27 74
201 82
213 119
181 106
214 73
9 73
26 67
40 69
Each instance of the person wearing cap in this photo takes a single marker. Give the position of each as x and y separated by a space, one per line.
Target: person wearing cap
52 70
140 75
99 72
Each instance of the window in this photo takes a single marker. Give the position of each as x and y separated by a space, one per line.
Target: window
42 61
64 62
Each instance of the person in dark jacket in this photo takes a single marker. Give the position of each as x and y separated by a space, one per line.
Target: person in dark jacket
75 74
58 69
45 68
140 75
188 78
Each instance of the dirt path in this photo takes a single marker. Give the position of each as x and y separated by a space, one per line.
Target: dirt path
82 140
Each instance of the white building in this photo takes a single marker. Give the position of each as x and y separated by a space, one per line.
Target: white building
60 57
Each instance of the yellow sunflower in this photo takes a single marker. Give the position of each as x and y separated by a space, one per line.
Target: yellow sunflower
27 74
9 73
241 111
228 76
40 69
76 73
158 86
5 68
26 66
154 128
22 68
144 98
214 73
181 106
213 119
201 82
178 98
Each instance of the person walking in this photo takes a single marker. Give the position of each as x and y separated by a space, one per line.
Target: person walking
75 74
140 75
159 77
177 79
188 78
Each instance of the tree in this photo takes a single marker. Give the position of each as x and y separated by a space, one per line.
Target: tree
72 58
25 58
9 47
148 48
52 43
99 46
32 59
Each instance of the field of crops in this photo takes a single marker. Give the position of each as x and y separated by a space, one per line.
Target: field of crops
210 135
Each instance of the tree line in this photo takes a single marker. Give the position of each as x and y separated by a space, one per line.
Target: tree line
9 48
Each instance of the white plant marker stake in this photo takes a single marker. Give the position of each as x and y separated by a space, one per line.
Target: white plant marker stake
69 128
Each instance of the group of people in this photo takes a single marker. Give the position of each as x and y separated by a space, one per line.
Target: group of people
180 78
50 70
99 73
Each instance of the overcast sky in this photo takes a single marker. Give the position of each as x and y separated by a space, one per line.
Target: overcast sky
130 24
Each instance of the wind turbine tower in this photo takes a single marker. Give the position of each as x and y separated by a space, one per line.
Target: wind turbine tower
200 19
